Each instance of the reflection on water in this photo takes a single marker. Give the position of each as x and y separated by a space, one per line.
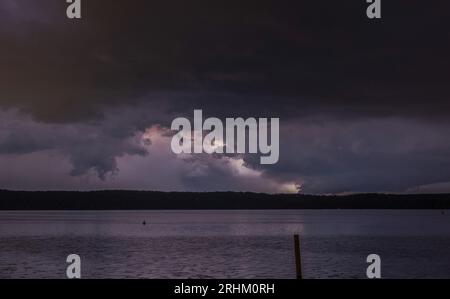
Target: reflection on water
224 244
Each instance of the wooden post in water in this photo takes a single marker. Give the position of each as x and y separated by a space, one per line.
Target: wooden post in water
298 260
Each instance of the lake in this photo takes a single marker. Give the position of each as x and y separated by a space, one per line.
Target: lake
225 244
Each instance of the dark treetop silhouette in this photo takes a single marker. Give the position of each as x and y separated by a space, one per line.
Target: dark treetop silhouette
137 200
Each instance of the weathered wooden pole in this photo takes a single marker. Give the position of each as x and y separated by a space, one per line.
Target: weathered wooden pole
298 260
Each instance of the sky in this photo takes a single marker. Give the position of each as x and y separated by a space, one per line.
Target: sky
363 104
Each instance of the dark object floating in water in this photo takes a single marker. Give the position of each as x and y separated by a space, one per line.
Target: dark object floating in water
144 223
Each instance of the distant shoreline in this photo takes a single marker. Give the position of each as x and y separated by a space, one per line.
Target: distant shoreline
151 200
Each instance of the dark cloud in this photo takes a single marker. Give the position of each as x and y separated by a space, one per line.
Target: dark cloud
372 155
363 104
88 146
292 58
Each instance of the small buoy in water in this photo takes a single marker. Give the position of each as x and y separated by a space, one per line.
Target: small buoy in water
144 223
442 212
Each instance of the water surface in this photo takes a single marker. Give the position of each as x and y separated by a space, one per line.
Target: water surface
224 244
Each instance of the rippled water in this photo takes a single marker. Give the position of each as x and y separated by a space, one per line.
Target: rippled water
224 244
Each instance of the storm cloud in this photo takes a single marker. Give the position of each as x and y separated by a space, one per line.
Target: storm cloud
363 104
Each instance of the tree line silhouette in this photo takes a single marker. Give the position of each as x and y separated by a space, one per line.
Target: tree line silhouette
150 200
